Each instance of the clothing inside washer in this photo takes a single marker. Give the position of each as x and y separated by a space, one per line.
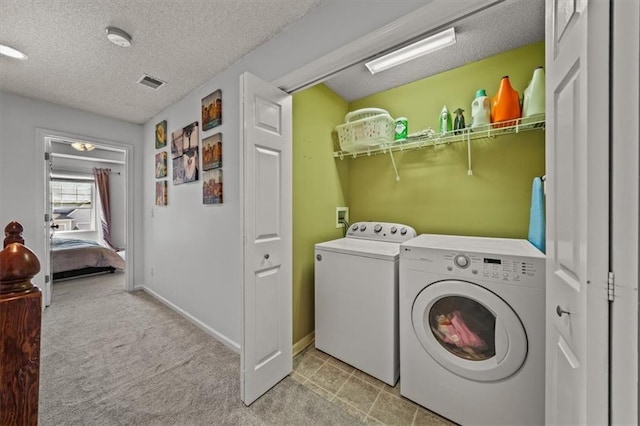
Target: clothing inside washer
464 327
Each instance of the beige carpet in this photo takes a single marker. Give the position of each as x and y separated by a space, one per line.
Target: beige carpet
115 358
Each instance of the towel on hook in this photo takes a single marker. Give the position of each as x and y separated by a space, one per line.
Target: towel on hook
536 216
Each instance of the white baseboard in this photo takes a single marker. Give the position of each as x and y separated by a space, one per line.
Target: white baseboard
302 344
210 331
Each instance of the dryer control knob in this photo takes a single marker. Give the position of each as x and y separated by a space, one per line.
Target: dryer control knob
394 229
363 227
403 231
461 261
354 227
377 228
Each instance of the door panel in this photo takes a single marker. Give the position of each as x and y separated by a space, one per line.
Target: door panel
267 341
267 179
266 353
577 144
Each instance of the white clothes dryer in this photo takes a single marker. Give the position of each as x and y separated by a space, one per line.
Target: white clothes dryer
356 297
472 328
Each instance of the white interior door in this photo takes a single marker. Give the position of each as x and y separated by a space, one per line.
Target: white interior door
266 353
45 263
577 167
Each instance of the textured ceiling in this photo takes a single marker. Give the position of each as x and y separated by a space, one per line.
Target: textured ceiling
505 26
184 43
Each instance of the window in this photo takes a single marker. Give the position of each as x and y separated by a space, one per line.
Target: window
73 204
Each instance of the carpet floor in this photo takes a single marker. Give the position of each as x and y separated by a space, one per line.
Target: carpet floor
109 357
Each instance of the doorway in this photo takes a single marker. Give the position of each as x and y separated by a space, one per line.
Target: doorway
73 208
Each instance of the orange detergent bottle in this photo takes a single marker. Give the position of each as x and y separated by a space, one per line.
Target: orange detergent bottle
506 104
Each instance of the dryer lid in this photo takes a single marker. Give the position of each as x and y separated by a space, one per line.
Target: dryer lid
485 245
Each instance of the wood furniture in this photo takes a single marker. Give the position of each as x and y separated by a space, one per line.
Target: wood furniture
20 321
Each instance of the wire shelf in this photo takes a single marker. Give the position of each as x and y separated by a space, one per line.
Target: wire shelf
428 137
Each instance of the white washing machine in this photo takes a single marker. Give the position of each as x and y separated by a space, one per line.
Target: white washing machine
472 328
356 297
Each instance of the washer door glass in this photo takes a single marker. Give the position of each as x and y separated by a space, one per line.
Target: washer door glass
464 327
469 330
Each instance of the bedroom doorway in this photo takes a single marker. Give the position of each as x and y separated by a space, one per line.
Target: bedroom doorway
77 242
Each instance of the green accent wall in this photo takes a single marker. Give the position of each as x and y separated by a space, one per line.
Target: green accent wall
434 193
320 184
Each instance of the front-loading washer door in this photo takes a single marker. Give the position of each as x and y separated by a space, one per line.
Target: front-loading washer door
469 330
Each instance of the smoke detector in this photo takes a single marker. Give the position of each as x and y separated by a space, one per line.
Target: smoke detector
118 37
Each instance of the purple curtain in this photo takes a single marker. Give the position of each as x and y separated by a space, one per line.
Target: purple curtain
102 183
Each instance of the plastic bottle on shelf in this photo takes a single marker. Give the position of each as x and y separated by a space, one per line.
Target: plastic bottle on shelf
534 98
480 110
401 130
444 122
506 104
458 121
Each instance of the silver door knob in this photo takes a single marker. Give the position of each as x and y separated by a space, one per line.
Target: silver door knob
266 256
561 311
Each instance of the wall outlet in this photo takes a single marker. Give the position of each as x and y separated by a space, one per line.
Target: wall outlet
342 214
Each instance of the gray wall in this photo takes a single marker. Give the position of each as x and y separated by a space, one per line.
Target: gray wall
195 250
22 171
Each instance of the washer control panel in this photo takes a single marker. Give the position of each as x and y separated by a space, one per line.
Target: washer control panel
381 231
490 266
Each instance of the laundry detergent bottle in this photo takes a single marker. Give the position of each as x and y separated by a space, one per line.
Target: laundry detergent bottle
505 107
480 110
534 98
444 122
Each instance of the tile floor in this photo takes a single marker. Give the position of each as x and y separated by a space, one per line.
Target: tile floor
361 395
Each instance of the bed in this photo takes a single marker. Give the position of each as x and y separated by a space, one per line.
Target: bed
72 257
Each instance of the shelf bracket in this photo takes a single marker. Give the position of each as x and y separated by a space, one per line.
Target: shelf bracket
393 162
469 170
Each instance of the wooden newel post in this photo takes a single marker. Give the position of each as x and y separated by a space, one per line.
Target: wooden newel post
20 317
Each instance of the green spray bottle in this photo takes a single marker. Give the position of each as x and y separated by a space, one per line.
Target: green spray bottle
444 122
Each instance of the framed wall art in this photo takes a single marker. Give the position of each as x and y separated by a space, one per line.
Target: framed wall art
212 187
185 154
161 164
161 134
212 110
212 152
161 193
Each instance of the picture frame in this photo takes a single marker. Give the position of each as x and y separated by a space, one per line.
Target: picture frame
161 134
161 193
212 186
185 150
212 152
212 110
161 164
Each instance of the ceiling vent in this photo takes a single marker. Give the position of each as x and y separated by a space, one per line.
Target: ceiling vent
152 82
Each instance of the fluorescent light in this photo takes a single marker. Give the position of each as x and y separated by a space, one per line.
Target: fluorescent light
83 146
413 51
11 52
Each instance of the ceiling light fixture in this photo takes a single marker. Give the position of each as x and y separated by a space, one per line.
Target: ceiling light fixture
83 146
12 52
118 37
413 51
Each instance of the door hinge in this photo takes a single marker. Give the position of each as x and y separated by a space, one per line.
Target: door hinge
46 217
611 281
47 156
46 279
